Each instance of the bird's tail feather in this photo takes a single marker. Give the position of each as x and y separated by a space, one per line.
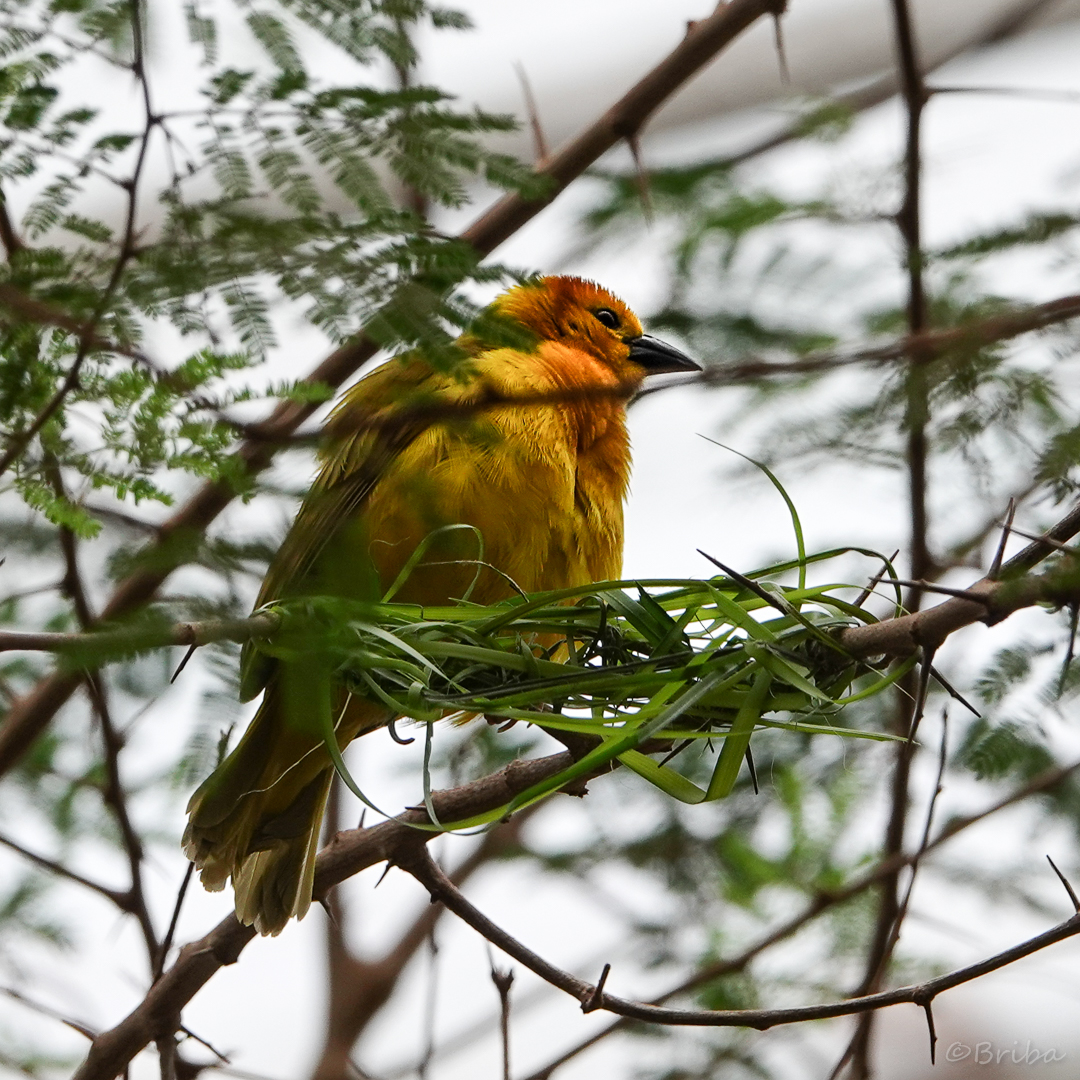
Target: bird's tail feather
256 818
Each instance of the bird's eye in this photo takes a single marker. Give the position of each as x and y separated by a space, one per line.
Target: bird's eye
608 318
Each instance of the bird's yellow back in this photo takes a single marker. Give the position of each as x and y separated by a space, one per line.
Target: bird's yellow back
541 476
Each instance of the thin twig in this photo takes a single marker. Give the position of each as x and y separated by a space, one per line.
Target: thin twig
11 240
917 409
821 903
931 586
925 667
117 896
918 349
47 1010
1067 96
19 441
166 943
72 583
419 863
885 86
192 634
115 797
503 980
1043 540
873 583
430 1003
924 842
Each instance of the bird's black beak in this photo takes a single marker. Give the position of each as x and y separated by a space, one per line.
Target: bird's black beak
656 356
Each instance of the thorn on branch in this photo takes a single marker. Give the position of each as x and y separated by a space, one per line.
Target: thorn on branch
1068 888
781 54
183 663
324 903
540 146
1074 616
166 944
1043 538
953 692
642 177
750 585
753 771
931 1031
920 699
995 566
46 1010
223 1058
930 586
875 581
596 999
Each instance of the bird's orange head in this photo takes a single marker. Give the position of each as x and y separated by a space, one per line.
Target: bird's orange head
582 314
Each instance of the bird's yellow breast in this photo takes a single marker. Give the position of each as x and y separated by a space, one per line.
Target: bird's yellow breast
541 484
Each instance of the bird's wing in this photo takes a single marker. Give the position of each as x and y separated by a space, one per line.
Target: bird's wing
373 423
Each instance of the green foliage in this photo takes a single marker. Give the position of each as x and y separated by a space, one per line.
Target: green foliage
246 221
685 662
1036 230
995 751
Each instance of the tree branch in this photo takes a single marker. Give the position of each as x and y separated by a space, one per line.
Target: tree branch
922 348
418 862
885 85
989 600
928 628
118 896
823 901
115 797
625 118
347 854
139 639
355 850
360 987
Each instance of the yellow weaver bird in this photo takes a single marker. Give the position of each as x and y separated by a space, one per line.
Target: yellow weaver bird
541 480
